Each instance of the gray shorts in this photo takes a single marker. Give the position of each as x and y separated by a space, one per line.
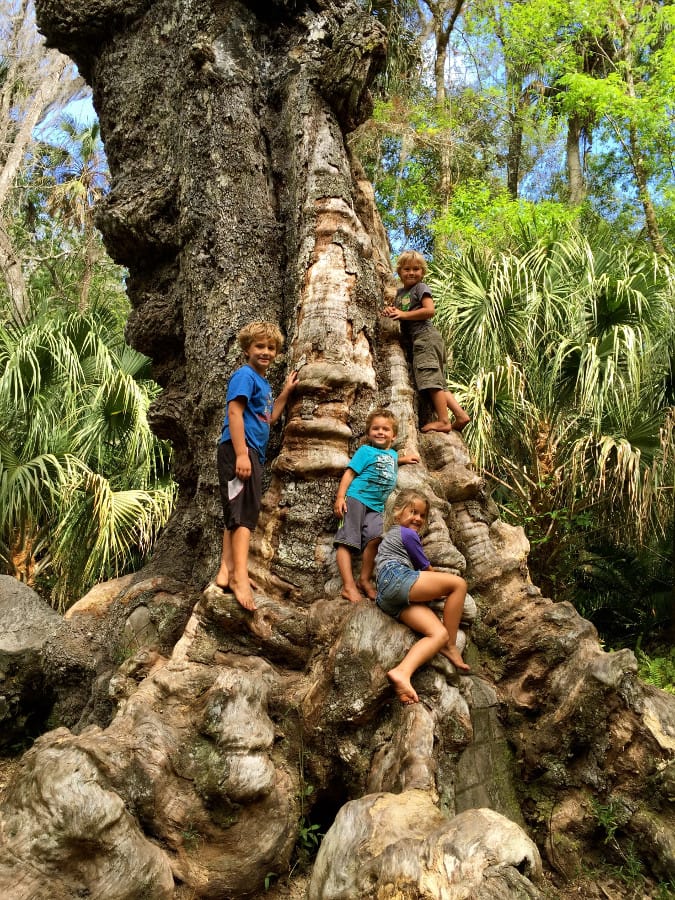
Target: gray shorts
359 527
428 357
394 581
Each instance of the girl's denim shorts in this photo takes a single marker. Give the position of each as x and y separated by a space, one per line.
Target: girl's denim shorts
394 581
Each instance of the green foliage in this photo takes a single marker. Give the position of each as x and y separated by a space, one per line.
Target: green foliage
407 147
611 818
479 215
526 83
563 356
84 485
308 837
309 834
192 839
658 670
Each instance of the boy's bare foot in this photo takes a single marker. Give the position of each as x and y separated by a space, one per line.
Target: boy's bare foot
452 653
368 589
243 594
404 690
226 587
443 427
460 423
352 594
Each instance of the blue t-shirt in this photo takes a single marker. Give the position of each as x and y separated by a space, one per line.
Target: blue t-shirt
376 473
248 385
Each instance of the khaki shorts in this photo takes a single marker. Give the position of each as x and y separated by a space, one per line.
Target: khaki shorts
428 357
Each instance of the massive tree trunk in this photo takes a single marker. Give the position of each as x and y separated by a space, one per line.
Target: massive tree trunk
234 198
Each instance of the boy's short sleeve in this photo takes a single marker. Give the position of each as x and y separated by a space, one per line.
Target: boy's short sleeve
360 459
241 384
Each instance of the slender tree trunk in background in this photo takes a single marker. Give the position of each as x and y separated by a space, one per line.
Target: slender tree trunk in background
625 56
515 145
17 139
10 267
442 32
43 97
577 187
640 171
90 257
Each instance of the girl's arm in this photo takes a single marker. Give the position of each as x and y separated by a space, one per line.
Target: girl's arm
413 547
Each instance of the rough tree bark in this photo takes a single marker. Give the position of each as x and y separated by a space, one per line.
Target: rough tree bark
234 198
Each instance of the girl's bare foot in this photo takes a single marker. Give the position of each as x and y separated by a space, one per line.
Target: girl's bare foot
404 690
353 594
452 653
460 423
368 589
443 427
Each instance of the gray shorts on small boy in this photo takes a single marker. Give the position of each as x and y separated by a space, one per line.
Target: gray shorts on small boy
359 526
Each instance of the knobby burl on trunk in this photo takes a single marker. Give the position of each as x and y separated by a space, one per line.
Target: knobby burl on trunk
234 197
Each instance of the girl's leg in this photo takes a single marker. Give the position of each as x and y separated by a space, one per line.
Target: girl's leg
421 619
434 586
365 581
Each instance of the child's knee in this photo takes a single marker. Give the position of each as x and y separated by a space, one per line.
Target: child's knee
461 587
441 636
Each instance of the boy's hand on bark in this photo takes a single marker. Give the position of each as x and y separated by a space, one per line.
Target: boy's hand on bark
392 312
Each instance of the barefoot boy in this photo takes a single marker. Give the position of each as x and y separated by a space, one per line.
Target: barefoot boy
367 482
249 412
414 308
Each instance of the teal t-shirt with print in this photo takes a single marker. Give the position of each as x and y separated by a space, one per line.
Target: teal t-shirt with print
376 474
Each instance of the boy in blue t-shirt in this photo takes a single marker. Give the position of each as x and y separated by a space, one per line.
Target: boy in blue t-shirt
368 480
249 412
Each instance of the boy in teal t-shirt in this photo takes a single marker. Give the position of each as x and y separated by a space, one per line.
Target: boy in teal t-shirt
363 490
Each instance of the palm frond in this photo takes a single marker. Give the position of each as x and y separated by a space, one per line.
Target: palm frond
103 527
